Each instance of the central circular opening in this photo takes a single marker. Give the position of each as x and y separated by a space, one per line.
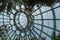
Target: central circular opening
21 20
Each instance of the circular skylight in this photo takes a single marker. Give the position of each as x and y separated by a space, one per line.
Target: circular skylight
41 24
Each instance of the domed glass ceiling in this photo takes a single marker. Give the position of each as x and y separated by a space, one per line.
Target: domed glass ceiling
39 25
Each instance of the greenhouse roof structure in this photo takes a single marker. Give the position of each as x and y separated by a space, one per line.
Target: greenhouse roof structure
39 22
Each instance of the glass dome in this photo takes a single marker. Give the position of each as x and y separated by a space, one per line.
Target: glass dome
43 23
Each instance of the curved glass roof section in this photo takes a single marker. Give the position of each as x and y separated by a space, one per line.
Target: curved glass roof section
41 24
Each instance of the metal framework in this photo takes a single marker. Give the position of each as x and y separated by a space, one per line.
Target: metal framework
26 26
